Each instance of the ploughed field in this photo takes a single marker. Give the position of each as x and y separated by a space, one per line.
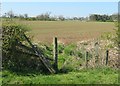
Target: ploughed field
67 31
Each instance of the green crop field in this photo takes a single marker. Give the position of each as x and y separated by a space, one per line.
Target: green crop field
67 31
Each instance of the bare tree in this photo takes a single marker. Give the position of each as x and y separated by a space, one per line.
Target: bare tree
10 14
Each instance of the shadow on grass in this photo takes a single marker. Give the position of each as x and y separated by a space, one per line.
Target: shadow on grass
31 72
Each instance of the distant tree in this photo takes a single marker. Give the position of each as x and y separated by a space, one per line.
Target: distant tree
40 17
10 14
75 18
81 18
33 18
21 16
53 18
61 18
45 16
97 17
25 16
114 17
93 17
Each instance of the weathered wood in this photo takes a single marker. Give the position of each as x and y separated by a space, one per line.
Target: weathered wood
29 41
107 55
31 54
86 59
55 53
45 62
42 58
20 45
96 51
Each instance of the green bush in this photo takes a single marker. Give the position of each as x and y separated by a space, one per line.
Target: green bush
60 48
69 49
118 35
11 33
13 59
79 54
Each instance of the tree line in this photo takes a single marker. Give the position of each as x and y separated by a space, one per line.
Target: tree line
47 17
103 18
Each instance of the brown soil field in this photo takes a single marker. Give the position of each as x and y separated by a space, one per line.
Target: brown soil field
67 31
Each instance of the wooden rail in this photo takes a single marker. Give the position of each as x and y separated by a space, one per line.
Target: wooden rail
45 62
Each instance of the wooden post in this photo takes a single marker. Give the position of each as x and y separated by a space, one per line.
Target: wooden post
107 54
86 59
96 51
55 52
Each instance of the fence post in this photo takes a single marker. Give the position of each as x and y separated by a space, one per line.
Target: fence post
96 51
55 52
107 54
86 59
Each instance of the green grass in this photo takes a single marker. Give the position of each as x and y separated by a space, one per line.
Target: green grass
86 76
71 32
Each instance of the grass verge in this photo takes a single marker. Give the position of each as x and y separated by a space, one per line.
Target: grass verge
86 76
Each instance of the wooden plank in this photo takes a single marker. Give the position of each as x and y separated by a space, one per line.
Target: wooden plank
20 45
31 54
